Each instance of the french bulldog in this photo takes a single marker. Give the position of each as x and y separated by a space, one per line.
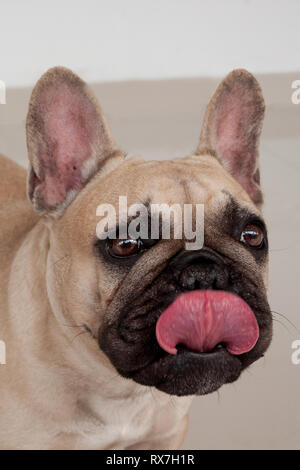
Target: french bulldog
108 341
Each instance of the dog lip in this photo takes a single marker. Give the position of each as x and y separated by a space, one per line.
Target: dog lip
166 357
164 373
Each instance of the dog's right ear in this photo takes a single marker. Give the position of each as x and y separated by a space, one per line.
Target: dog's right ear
68 140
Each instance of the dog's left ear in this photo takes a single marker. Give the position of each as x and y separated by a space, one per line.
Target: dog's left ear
232 127
68 140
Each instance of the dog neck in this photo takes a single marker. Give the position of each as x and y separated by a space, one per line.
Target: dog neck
62 377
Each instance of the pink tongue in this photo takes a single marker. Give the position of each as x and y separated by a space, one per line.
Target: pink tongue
203 318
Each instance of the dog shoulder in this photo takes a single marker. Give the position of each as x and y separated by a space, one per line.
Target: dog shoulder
13 181
16 213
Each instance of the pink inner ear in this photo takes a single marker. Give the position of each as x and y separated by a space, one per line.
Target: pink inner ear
234 136
69 123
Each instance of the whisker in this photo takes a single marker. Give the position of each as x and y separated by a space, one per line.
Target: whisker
152 395
282 324
79 334
72 326
287 319
60 259
279 249
173 402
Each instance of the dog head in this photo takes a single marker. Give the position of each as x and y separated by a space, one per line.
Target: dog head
184 321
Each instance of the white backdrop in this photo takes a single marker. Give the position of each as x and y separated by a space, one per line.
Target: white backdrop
106 40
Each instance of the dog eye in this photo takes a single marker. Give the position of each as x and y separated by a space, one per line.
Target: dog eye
253 236
121 248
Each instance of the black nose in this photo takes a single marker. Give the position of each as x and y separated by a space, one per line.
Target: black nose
201 269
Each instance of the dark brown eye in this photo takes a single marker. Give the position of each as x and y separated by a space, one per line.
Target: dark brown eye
252 235
120 248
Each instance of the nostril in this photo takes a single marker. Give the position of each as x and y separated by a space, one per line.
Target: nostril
190 283
204 276
203 256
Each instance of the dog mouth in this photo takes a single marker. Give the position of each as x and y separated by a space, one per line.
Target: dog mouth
200 341
201 333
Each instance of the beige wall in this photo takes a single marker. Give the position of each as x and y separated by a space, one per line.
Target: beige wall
162 120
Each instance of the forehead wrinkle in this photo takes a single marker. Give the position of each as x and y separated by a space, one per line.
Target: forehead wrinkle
199 189
236 211
186 190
